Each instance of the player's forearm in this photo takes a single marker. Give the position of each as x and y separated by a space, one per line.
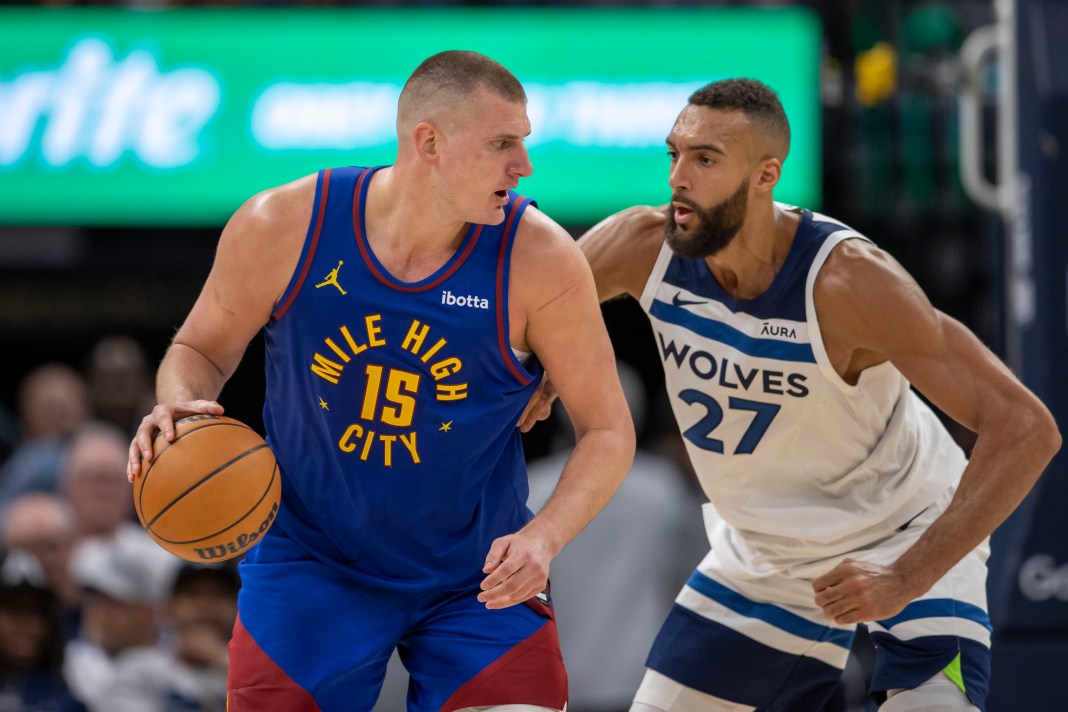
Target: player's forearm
185 375
1004 466
593 472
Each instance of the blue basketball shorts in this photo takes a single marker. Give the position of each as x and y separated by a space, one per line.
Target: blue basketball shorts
310 639
740 641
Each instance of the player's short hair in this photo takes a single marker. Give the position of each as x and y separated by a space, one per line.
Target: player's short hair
447 77
753 98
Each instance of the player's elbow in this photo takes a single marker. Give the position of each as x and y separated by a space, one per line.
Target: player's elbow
1052 435
617 442
1044 435
628 443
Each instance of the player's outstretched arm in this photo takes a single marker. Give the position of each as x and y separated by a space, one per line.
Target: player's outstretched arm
621 251
1016 435
255 258
555 313
623 248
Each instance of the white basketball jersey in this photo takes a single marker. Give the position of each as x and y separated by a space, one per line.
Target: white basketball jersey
798 465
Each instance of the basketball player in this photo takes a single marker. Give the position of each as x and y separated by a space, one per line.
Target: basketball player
789 343
409 312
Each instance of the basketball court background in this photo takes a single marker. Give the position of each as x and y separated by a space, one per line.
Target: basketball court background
102 231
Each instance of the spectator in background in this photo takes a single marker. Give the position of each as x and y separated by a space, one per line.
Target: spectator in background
122 594
43 524
93 480
31 645
186 672
614 583
120 381
52 402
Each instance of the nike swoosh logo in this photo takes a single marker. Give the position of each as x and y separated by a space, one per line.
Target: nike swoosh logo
679 302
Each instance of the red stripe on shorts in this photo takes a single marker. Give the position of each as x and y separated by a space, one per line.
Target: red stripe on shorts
255 683
531 673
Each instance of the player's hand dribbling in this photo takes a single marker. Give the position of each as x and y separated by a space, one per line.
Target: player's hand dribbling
518 568
860 591
161 420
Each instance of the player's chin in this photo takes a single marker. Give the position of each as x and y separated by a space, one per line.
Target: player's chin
493 216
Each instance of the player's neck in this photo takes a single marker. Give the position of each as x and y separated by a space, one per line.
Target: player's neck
410 234
748 265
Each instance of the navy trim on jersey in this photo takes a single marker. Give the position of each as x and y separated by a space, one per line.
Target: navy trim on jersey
784 298
718 331
940 608
771 614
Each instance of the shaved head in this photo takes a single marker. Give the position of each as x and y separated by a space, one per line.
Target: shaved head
445 83
758 102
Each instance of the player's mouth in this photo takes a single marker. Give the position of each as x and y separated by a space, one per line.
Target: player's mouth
683 213
502 195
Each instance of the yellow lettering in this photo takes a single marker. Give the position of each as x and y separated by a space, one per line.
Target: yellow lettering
410 444
414 340
373 330
448 392
349 442
367 445
356 348
433 350
337 349
326 369
354 432
400 383
370 394
445 368
387 441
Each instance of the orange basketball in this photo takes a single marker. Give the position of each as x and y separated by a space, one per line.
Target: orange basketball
211 493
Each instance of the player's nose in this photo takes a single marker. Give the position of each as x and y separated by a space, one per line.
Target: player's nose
677 177
522 167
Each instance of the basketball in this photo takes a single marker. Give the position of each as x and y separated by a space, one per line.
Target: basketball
211 493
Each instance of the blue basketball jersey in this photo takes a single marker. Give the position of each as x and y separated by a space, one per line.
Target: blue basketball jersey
392 406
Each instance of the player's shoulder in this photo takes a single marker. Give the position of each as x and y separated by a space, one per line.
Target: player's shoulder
266 233
273 219
623 248
544 257
537 223
640 227
280 203
541 239
860 275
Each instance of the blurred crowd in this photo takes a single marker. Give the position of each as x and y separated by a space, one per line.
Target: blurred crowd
94 616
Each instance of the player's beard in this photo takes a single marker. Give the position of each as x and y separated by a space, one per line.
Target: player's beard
715 229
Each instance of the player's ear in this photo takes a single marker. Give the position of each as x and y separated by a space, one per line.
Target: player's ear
768 172
427 141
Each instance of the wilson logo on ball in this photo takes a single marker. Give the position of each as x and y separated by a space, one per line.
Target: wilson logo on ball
238 545
212 492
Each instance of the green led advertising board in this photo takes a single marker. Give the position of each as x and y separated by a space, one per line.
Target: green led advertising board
175 117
